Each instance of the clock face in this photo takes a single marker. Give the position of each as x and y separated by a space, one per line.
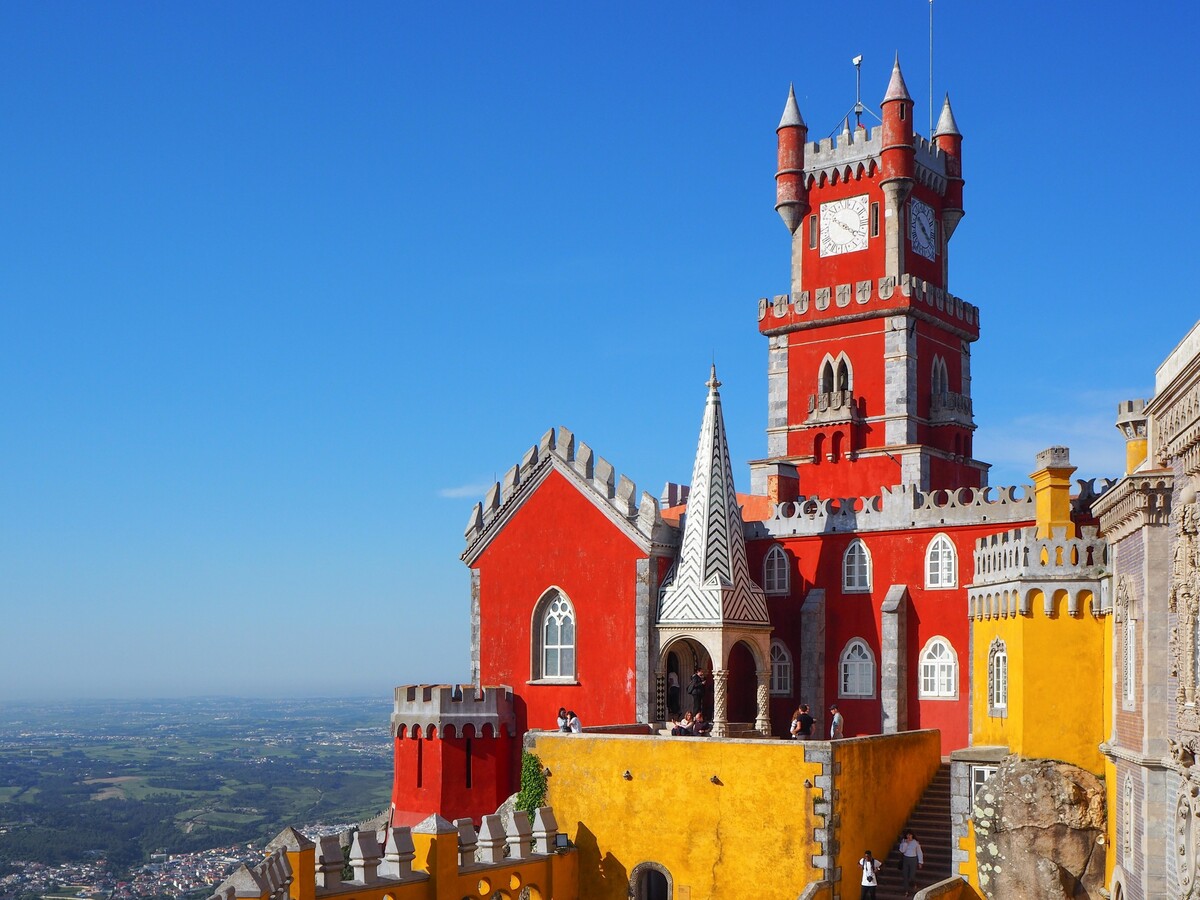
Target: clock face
922 229
844 225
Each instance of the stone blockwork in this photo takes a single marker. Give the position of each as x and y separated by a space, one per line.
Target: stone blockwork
1039 831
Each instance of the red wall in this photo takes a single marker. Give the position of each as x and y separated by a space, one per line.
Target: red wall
430 774
558 538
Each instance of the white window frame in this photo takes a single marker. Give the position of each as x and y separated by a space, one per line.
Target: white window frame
979 775
781 669
776 574
856 676
939 670
554 605
998 678
941 563
856 580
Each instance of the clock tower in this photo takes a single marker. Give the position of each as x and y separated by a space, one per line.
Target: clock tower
869 354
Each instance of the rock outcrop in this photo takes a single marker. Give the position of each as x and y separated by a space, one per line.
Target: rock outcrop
1039 832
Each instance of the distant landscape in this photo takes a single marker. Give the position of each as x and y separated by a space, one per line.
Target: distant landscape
122 780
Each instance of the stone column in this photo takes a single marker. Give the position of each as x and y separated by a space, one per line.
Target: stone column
762 723
893 666
660 697
812 649
720 702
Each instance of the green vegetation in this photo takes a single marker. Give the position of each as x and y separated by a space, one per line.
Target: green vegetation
533 783
125 780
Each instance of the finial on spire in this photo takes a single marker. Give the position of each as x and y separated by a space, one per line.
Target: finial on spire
946 123
712 382
897 89
791 112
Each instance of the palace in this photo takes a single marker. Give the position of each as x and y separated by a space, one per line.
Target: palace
964 631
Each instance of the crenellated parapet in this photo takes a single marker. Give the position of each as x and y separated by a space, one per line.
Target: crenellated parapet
870 297
856 153
1135 502
558 450
1012 567
389 863
902 506
447 710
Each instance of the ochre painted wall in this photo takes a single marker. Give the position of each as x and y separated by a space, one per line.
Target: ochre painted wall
730 838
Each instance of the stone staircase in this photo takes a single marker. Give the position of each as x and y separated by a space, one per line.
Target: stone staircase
930 822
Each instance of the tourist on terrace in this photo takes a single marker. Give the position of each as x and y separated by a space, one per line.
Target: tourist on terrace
573 723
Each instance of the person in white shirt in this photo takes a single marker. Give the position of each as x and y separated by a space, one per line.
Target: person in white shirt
911 859
870 875
573 723
837 724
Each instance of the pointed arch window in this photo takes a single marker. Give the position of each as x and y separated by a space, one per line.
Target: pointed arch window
940 379
857 670
856 568
781 670
843 375
827 378
939 670
554 638
941 563
775 571
998 678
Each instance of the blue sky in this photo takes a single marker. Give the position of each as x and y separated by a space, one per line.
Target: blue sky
284 287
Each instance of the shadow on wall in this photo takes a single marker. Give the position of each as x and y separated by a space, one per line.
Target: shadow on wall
613 875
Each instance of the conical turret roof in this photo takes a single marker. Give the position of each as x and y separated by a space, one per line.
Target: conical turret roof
791 112
946 123
897 89
712 583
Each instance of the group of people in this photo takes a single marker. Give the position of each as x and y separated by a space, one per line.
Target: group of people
568 722
691 725
911 859
803 722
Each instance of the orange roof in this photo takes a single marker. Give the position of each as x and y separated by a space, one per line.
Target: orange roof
755 508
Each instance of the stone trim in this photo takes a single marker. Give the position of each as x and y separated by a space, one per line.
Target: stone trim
893 663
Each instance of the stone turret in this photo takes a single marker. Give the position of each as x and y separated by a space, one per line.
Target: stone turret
1131 422
897 163
791 193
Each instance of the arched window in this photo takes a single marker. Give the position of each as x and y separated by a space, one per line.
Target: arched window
941 563
939 670
781 670
857 671
775 571
827 378
940 379
997 678
554 638
843 375
856 568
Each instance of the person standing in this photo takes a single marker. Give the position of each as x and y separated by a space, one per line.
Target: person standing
806 722
563 724
673 693
696 689
911 859
837 725
870 875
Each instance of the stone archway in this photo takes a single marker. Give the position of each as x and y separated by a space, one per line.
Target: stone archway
682 654
651 881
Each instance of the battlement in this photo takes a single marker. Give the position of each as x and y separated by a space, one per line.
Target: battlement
523 855
1012 566
558 449
902 506
856 152
880 295
446 710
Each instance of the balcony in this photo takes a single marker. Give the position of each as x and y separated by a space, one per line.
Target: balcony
832 407
948 408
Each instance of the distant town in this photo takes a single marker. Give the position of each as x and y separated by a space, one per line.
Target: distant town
165 798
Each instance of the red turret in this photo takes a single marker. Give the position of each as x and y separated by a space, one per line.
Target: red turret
791 195
949 140
898 154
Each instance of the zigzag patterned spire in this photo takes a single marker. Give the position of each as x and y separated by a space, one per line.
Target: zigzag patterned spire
712 583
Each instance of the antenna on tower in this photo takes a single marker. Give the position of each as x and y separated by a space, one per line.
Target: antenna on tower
931 69
857 109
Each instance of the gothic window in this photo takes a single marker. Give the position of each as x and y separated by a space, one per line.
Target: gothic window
874 220
843 375
856 568
939 670
827 378
1128 661
775 571
857 671
998 679
554 638
812 232
940 381
781 670
941 563
1127 819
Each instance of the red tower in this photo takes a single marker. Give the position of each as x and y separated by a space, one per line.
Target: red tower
869 368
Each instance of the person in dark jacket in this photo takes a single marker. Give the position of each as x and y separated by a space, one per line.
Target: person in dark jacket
696 690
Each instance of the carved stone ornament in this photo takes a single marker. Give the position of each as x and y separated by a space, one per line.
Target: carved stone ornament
887 287
781 305
762 308
802 302
1184 602
822 298
862 291
843 295
1185 848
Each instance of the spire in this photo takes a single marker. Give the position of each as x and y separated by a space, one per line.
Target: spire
791 112
897 89
946 123
712 581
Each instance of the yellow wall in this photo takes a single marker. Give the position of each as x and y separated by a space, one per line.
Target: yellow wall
996 731
750 833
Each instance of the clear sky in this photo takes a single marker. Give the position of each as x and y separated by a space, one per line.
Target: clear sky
284 287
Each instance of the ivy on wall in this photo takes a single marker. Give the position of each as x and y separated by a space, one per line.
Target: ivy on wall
533 783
